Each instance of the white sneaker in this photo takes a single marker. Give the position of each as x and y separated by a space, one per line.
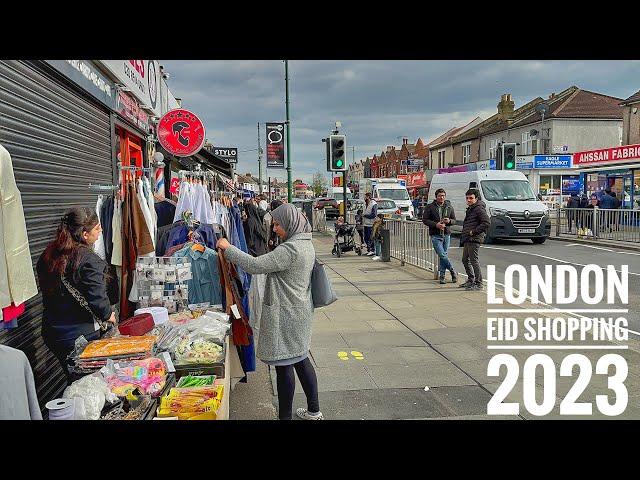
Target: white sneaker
305 415
370 254
376 258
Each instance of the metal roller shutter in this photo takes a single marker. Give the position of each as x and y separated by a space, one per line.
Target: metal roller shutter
59 142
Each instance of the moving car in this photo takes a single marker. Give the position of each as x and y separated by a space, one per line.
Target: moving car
330 206
388 208
513 207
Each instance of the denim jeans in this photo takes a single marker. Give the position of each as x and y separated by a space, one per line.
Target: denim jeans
441 246
377 244
368 238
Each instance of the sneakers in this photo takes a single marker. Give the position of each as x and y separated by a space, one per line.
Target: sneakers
304 414
370 254
442 280
465 284
454 277
474 286
376 258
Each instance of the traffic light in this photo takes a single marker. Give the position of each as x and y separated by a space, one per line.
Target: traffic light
508 156
336 149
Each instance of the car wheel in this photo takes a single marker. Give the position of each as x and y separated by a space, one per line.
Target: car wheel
539 241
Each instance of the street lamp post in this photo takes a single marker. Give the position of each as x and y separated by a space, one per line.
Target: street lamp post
286 81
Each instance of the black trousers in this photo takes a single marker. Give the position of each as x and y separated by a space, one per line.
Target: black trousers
471 261
286 384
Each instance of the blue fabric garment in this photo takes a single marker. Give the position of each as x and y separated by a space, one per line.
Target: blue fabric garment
237 239
441 246
205 284
180 234
14 323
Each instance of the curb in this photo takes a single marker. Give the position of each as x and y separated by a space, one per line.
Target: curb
635 248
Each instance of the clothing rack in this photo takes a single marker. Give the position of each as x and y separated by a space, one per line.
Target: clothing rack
94 187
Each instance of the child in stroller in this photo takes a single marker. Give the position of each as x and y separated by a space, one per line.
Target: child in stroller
345 238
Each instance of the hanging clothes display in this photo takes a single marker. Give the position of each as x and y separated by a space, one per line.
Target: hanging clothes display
255 235
204 286
116 226
17 280
18 397
165 212
99 246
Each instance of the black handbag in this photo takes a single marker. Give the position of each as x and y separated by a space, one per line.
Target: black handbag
75 293
322 292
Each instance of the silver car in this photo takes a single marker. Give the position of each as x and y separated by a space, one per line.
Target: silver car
388 208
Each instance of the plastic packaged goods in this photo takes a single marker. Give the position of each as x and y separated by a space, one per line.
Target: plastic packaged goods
107 347
94 391
220 316
192 403
198 349
196 381
148 376
160 314
168 337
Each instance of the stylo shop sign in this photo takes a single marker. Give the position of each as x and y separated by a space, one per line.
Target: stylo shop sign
568 329
230 154
275 145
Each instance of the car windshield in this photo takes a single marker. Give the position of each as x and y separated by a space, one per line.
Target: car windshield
507 190
386 204
394 193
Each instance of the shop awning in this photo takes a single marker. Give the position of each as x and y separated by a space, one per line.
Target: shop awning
204 157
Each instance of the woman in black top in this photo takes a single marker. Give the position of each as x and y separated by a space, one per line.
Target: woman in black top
70 256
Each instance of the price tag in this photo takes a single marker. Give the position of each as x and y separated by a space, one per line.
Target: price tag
236 312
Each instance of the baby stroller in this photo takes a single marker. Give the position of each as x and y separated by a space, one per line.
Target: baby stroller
345 240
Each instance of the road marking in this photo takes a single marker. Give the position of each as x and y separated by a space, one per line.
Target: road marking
588 246
628 253
343 355
550 258
357 355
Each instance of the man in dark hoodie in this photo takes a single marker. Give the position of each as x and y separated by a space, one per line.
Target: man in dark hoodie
438 216
474 228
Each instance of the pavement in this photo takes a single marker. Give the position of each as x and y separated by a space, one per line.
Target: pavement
398 345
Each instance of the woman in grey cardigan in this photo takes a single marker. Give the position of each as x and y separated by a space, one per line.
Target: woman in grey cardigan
287 312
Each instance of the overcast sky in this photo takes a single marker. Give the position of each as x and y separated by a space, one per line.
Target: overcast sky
376 101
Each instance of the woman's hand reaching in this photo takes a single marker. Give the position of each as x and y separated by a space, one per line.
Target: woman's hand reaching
223 244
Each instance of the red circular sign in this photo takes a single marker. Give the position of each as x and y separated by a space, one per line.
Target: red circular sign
181 132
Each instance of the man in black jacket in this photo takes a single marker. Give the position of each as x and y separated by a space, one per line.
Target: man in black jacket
438 216
474 228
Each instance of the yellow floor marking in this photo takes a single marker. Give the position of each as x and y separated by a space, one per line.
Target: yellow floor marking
343 355
357 355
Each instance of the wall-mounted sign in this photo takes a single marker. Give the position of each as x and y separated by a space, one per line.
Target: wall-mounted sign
141 77
626 153
275 145
87 75
181 132
128 107
230 154
552 161
560 148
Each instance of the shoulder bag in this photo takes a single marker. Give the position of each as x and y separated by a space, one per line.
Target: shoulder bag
322 292
104 325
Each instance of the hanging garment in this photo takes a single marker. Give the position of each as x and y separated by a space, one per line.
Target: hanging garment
165 211
237 239
18 398
116 225
98 247
179 234
144 206
152 209
240 328
254 232
12 312
185 200
205 285
17 280
106 220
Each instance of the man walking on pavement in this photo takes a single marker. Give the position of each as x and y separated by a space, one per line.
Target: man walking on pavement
438 216
369 215
474 228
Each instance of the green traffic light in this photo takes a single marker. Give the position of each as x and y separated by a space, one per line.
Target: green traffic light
338 163
509 165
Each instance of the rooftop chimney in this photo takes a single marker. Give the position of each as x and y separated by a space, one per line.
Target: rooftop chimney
552 96
506 107
405 141
389 148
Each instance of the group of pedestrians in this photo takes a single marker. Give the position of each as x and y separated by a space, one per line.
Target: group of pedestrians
369 225
585 219
439 216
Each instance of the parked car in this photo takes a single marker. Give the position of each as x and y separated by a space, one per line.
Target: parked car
330 206
388 207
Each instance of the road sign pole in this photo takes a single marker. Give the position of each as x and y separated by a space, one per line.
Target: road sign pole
286 81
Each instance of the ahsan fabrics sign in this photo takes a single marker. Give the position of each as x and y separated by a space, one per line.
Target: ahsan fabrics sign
626 153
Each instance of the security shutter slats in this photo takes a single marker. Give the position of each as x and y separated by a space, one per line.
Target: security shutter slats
59 142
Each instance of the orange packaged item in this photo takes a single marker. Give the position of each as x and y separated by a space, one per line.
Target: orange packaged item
108 347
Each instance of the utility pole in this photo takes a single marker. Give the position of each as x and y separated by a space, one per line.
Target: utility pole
259 161
286 81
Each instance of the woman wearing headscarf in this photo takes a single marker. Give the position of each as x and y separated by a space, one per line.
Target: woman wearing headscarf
254 231
284 336
272 238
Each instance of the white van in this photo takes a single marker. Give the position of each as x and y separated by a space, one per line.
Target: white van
391 188
338 194
513 207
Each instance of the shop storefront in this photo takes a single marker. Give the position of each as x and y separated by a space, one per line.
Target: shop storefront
56 126
617 168
551 176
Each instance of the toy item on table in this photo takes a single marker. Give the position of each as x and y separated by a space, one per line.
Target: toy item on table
148 375
200 403
109 347
196 381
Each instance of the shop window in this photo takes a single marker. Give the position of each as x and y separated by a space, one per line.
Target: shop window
466 153
493 146
550 184
528 145
441 158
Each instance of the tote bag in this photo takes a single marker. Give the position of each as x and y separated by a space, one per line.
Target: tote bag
322 291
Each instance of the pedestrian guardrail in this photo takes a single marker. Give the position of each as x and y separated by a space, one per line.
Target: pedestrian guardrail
596 223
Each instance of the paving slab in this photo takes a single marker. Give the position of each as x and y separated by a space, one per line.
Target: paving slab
453 335
382 339
422 323
352 377
418 376
333 339
387 326
462 352
463 400
350 315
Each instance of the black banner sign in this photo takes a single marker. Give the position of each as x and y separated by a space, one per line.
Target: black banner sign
230 154
275 145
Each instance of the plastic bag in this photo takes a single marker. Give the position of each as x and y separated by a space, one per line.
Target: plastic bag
148 375
94 391
199 349
208 326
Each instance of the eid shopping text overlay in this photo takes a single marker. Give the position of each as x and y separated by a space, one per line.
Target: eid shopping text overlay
547 340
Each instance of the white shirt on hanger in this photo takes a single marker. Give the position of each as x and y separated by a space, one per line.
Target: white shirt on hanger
116 226
99 246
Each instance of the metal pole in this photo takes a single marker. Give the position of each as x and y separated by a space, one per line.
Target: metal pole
259 160
286 81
